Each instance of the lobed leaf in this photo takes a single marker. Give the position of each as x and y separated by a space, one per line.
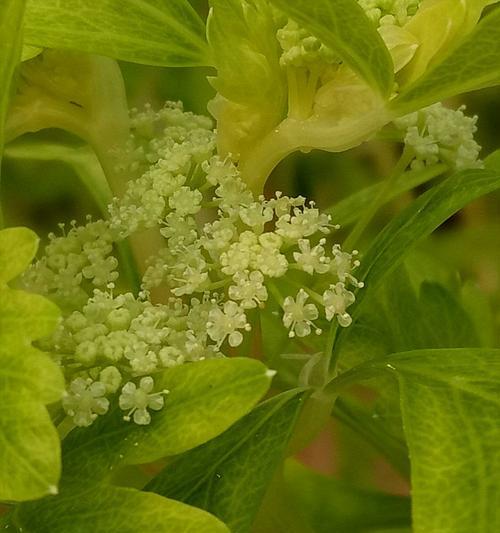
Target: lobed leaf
205 399
450 401
29 443
229 475
343 26
151 32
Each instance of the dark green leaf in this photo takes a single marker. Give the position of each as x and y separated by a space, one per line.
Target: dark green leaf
228 476
343 26
152 32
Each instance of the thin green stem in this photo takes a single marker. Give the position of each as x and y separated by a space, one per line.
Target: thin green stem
363 222
332 355
275 292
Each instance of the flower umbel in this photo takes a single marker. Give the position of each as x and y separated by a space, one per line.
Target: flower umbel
223 249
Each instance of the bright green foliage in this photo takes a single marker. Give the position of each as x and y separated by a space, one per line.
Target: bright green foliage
114 510
401 316
450 409
343 26
331 505
29 379
229 475
450 404
205 398
152 32
471 65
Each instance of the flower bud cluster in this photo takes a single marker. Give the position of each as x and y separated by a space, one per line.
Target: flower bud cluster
437 133
77 260
301 49
225 254
395 12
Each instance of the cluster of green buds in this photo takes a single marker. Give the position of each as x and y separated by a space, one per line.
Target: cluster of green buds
223 254
436 133
397 12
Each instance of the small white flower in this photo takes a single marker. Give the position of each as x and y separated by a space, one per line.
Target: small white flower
219 170
111 378
226 322
298 316
142 360
192 280
185 201
336 300
256 215
303 223
249 289
239 254
269 261
312 260
85 400
137 400
343 264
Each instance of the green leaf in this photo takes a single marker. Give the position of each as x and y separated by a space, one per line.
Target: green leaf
114 510
343 26
18 247
151 32
205 399
251 87
332 505
450 401
11 17
30 458
400 317
254 70
228 476
470 66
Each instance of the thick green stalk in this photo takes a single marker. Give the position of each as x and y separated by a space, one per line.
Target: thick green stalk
316 132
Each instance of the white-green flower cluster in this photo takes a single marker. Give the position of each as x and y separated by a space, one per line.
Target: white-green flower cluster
437 133
81 258
384 12
225 253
